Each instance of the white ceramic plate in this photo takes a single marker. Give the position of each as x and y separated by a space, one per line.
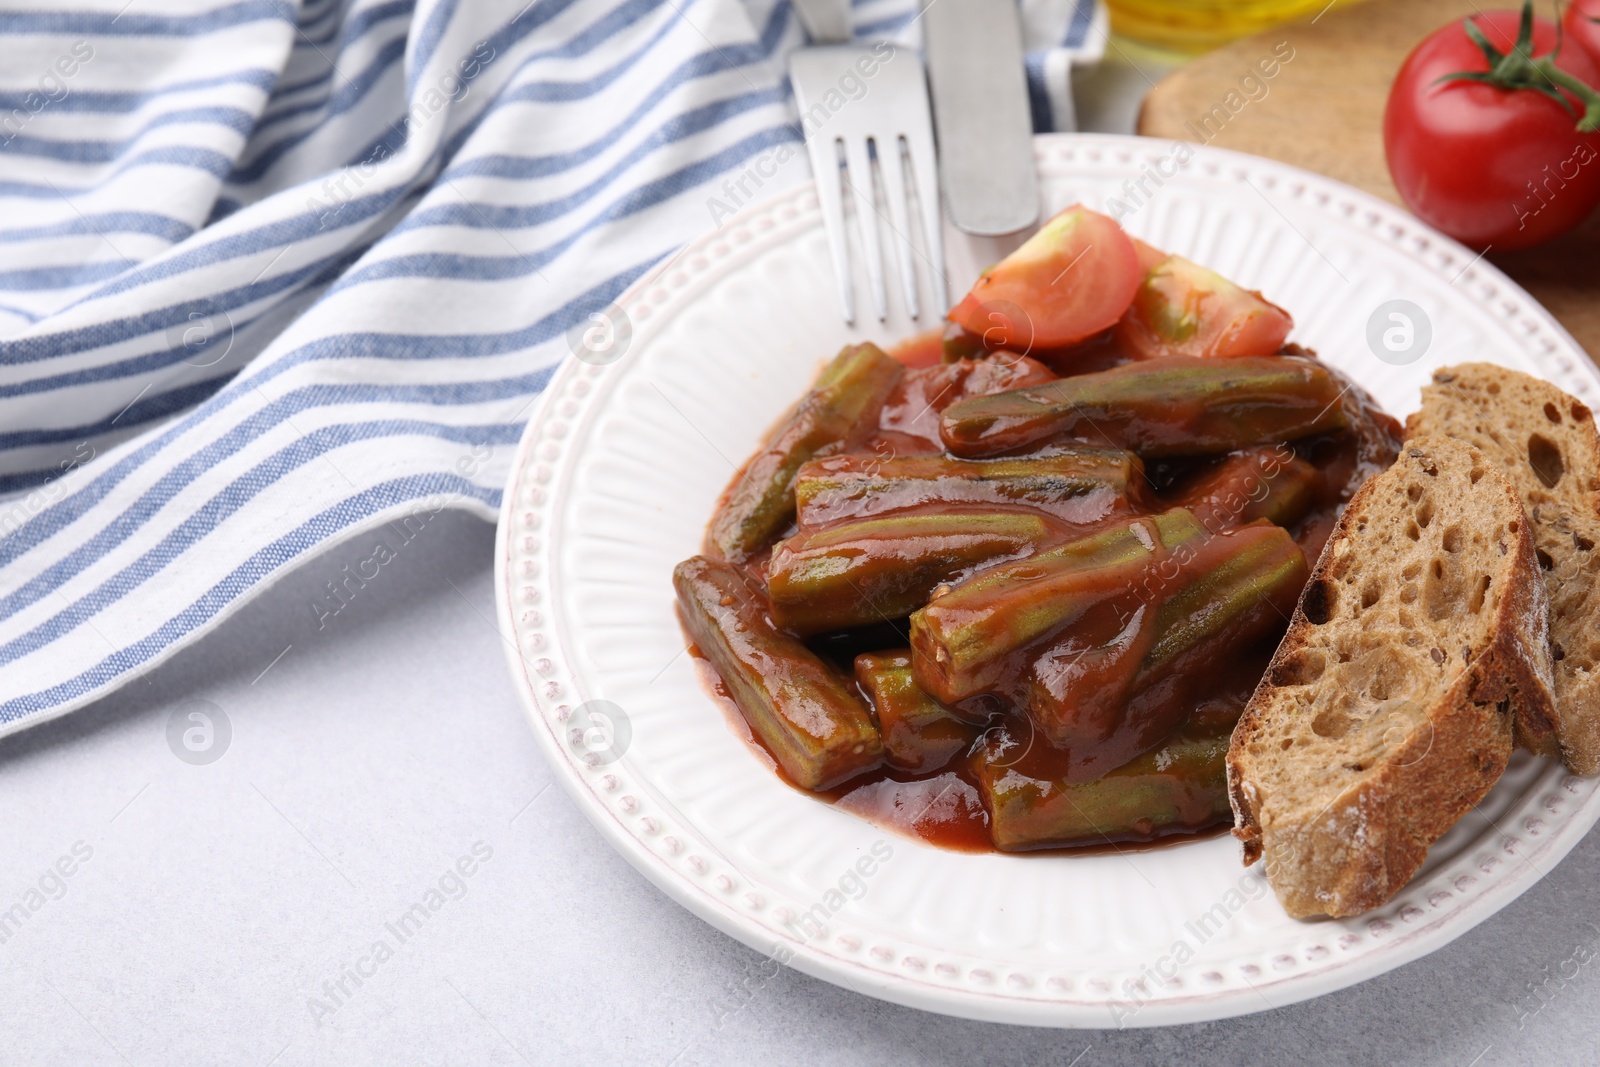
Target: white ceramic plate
615 480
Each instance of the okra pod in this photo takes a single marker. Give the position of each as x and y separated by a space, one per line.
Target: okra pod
1134 678
1247 581
964 642
807 717
1369 445
911 415
1269 482
1179 405
999 371
1180 786
874 570
844 402
919 733
1082 485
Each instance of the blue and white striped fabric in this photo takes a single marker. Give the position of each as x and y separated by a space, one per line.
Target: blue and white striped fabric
273 274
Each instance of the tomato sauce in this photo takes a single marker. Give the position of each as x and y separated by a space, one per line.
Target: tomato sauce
1084 708
945 808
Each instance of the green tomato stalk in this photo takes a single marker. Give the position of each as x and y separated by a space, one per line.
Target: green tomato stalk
1520 69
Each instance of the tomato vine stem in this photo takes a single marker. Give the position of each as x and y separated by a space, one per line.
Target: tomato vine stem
1519 69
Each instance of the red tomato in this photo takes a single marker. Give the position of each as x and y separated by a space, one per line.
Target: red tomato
1149 255
1071 280
1582 25
1183 309
1492 166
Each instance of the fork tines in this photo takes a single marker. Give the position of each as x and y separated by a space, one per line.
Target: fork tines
857 105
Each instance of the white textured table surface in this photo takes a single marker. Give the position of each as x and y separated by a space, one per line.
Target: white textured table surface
221 904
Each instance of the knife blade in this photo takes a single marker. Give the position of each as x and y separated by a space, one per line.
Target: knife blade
981 115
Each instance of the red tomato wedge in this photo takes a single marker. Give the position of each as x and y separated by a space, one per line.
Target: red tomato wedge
1183 309
1149 255
1069 281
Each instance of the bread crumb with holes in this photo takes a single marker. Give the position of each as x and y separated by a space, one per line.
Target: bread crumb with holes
1546 442
1388 709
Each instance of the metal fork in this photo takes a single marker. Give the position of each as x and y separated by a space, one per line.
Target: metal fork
888 122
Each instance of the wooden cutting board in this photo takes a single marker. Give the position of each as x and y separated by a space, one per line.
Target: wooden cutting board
1324 112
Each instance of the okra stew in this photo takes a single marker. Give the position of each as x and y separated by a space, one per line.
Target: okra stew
1010 585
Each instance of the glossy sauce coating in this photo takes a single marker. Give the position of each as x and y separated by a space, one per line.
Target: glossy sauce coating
945 808
1114 722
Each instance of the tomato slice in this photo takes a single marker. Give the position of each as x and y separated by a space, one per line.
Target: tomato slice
1183 309
1069 281
1150 256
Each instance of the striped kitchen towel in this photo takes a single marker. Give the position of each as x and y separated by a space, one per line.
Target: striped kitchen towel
275 273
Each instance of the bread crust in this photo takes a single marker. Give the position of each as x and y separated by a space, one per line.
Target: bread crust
1371 838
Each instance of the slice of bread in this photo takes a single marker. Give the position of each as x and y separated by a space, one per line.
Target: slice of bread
1387 711
1546 442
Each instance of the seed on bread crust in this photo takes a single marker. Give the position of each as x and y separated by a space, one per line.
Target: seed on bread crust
1387 711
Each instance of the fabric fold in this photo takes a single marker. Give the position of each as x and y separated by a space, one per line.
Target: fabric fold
274 275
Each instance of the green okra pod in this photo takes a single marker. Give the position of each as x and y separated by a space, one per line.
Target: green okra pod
966 640
1180 786
919 733
1166 634
1269 482
807 716
1246 582
1179 405
843 402
874 570
1080 485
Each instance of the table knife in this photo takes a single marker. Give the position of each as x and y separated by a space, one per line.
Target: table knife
981 114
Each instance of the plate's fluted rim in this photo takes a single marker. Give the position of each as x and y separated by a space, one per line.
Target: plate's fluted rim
1548 819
